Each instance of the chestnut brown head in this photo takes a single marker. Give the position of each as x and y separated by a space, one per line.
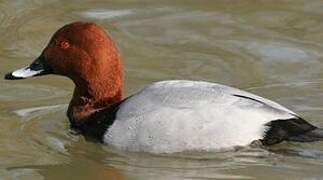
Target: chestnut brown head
81 51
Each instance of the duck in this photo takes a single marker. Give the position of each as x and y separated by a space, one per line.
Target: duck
164 117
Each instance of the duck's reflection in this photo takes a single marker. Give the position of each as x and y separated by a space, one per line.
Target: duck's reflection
84 161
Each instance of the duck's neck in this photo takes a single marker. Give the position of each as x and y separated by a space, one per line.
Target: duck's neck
91 96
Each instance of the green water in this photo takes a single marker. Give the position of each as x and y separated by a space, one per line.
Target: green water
269 47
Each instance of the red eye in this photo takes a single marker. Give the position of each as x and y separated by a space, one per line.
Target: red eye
64 44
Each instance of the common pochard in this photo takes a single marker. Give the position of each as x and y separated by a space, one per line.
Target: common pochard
164 117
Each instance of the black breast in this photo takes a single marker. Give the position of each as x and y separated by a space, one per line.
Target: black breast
96 125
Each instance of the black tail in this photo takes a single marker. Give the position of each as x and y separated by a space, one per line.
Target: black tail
310 136
294 129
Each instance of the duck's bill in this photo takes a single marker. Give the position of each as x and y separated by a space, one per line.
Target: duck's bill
37 68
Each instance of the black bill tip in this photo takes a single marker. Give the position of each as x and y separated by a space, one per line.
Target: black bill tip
9 76
37 68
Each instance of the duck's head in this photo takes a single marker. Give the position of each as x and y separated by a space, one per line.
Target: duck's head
80 50
85 53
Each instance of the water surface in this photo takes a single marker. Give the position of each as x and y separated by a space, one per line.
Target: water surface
269 47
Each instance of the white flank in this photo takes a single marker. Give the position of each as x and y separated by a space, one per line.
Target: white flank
175 116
